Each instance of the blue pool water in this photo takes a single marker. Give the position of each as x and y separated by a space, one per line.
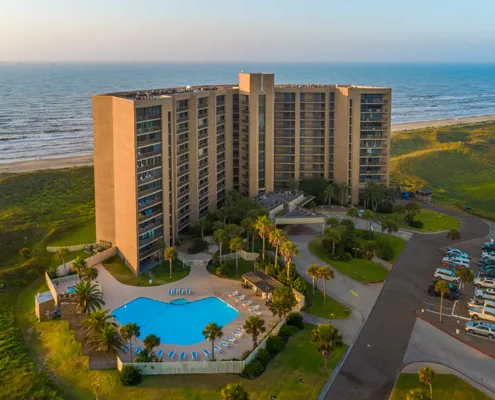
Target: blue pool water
71 289
180 322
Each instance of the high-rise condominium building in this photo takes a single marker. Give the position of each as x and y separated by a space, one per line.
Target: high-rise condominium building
165 158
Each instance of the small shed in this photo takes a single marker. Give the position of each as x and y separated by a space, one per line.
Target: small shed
44 306
424 195
262 284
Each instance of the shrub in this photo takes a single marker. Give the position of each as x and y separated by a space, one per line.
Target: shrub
263 357
224 270
416 223
275 344
253 369
130 375
348 224
385 252
245 354
295 319
385 208
453 234
286 331
300 285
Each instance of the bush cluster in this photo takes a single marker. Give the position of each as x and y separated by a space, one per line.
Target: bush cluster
130 375
295 319
286 331
253 369
275 344
416 223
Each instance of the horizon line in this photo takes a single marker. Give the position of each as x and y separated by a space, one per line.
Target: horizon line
239 61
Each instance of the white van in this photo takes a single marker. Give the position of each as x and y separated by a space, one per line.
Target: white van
456 260
446 275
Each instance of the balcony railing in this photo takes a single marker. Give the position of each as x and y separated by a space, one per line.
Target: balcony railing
149 204
147 192
140 131
141 118
147 253
149 154
155 213
147 167
150 227
149 142
144 242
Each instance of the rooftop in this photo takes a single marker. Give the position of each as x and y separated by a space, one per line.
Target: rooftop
273 200
262 281
44 297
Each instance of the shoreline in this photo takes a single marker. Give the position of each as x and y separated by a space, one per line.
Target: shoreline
87 160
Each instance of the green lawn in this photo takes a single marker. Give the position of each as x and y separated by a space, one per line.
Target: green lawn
83 234
433 221
395 242
357 269
54 342
457 162
160 274
445 387
315 305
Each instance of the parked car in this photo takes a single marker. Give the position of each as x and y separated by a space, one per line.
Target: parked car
463 256
484 282
484 263
481 328
485 294
455 251
478 312
487 268
458 261
450 265
453 294
488 246
481 302
487 274
446 275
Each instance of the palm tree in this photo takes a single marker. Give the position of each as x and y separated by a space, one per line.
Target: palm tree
335 235
263 226
236 245
276 238
370 249
150 342
327 338
61 253
90 273
219 237
465 274
107 341
352 212
127 332
416 394
368 217
212 332
442 287
254 326
233 391
329 193
247 224
88 296
169 254
283 301
79 264
326 274
313 271
96 321
289 250
426 375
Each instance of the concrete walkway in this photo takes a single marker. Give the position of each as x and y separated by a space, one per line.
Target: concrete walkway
430 345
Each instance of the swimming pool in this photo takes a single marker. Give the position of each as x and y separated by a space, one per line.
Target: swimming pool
71 289
180 322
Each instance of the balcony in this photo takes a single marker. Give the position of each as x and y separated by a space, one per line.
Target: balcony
145 217
140 131
203 174
147 167
147 192
149 142
149 227
148 204
150 177
183 118
144 242
142 118
146 253
182 162
221 159
183 139
142 156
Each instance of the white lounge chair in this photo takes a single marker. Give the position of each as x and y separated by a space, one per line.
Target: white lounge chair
225 344
159 354
231 339
188 291
183 356
218 348
171 355
194 356
207 354
257 313
254 308
247 303
237 333
234 294
170 291
240 298
138 350
181 291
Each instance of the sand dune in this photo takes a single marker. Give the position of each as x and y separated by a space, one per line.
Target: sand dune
407 126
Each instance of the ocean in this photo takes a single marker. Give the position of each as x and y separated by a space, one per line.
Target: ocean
45 109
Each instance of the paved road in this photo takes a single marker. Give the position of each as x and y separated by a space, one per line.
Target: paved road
428 344
370 370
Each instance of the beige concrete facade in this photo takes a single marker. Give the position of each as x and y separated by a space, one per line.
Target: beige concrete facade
165 158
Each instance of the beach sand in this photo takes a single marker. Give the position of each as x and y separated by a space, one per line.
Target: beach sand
407 126
67 162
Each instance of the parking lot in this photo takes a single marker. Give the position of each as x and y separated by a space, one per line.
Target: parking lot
455 313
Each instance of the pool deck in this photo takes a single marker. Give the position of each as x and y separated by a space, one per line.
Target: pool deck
203 285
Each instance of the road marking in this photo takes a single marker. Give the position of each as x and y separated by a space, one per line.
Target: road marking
353 293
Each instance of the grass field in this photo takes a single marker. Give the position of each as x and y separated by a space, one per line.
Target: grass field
160 275
433 221
315 305
458 163
357 269
244 266
86 233
445 387
54 342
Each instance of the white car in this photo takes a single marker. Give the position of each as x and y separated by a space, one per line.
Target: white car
482 303
485 294
485 282
446 275
462 256
487 255
456 260
481 328
456 252
482 313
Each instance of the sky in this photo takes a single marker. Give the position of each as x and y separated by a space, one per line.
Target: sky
253 30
